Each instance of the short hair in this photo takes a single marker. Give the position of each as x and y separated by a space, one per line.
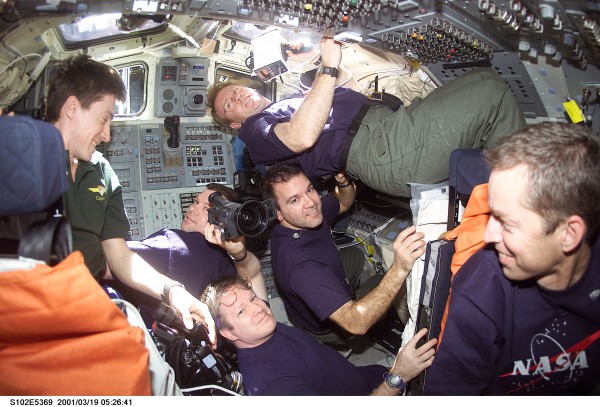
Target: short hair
211 295
563 170
277 174
214 90
86 79
226 192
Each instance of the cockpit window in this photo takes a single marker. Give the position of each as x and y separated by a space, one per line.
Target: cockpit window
106 27
135 79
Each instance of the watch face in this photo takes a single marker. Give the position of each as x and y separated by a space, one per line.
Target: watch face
327 70
395 381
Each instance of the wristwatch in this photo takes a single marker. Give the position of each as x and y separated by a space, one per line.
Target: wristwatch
167 289
394 381
327 70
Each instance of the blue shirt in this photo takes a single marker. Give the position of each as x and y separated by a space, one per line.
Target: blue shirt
504 337
309 271
292 363
185 257
258 132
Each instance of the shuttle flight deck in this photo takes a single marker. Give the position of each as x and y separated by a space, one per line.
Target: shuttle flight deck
165 147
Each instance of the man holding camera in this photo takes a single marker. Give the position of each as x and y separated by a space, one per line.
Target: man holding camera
197 253
307 266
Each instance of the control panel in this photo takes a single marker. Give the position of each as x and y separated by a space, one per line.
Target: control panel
181 86
163 165
373 225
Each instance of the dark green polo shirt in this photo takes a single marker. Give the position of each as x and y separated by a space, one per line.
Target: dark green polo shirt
94 206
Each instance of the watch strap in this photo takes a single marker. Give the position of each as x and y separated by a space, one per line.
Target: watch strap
167 290
327 70
394 381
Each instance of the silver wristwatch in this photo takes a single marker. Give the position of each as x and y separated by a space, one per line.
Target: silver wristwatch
394 381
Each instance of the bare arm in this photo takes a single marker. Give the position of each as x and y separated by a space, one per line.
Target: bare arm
358 316
306 125
247 264
134 271
345 191
409 363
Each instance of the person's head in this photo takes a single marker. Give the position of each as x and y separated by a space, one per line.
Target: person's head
241 316
297 201
232 102
196 215
81 103
544 195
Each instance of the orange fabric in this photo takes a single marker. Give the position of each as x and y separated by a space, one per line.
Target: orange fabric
468 235
60 334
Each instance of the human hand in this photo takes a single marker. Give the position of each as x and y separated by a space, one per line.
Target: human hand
331 52
408 247
301 50
411 361
192 309
341 178
235 247
7 114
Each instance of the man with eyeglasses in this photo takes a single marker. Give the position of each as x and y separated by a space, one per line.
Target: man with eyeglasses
335 128
280 360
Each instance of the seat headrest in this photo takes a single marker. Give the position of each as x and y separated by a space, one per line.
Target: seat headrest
468 169
33 167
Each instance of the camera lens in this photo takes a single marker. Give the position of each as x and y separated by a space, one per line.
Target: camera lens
251 219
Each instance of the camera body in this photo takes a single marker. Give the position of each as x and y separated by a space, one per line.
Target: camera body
250 218
192 358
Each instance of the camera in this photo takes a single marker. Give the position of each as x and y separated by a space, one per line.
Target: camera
250 218
196 366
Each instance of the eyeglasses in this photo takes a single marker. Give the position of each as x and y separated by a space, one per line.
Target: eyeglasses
229 297
229 103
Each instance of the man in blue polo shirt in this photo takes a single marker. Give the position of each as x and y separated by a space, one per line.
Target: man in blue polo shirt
280 360
196 254
335 128
524 314
307 266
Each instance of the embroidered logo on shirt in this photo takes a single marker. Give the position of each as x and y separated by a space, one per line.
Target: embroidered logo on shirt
101 190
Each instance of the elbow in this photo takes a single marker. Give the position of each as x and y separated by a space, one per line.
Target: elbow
359 331
356 329
302 146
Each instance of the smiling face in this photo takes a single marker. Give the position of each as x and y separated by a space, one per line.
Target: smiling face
89 127
299 203
519 235
196 215
236 103
246 320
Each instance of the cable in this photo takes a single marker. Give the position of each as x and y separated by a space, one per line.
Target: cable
17 60
391 71
213 37
210 386
290 86
378 206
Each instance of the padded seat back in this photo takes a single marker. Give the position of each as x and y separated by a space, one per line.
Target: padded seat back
32 165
